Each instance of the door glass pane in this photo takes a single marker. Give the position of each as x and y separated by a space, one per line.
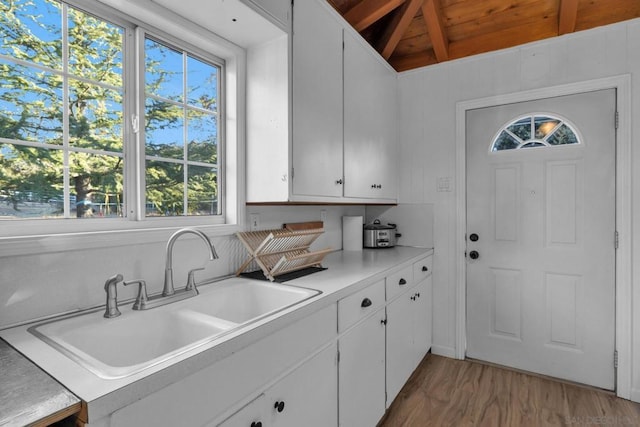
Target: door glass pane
544 125
505 142
522 128
563 135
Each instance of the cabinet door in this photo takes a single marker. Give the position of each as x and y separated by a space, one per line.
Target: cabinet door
362 373
422 320
370 142
307 396
252 415
400 353
317 100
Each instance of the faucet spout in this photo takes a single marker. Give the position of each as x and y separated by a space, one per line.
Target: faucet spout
168 270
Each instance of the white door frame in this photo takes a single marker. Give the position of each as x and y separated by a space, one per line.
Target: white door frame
623 284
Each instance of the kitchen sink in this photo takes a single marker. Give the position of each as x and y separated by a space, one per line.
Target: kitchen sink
250 299
136 340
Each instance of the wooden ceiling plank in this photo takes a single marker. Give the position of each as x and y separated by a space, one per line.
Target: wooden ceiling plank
397 27
432 13
567 16
367 12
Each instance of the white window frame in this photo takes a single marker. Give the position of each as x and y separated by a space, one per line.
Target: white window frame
18 237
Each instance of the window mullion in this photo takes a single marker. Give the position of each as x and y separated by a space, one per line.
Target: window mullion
66 178
185 135
136 182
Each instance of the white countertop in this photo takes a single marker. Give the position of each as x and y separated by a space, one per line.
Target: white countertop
348 272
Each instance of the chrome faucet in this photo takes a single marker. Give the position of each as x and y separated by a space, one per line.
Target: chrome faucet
112 296
168 289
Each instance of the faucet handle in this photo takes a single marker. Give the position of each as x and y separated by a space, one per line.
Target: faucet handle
191 281
142 298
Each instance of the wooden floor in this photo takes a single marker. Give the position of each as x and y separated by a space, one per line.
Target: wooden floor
449 392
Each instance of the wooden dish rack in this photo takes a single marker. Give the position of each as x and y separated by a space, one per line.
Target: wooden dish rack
281 251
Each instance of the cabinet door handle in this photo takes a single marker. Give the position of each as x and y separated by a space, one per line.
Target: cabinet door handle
413 298
424 268
279 406
402 282
256 424
339 181
383 321
418 295
366 303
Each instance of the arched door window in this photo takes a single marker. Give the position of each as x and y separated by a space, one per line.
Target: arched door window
535 130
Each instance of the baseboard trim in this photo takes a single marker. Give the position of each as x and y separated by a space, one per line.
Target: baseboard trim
445 351
635 395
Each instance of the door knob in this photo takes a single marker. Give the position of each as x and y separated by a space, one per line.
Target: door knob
473 237
474 255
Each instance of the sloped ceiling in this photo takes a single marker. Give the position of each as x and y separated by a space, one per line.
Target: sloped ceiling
416 33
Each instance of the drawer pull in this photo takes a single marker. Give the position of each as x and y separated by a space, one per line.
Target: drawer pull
256 424
366 303
279 406
424 268
402 282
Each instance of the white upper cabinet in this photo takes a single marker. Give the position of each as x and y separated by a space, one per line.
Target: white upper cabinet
370 149
317 101
338 142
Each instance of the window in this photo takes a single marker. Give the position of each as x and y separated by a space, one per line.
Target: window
61 112
538 130
181 132
67 104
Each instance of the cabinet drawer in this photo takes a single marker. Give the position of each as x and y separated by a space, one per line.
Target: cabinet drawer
399 282
359 305
422 268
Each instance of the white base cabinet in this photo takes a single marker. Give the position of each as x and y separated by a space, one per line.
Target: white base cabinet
380 348
305 397
400 315
408 333
361 378
342 365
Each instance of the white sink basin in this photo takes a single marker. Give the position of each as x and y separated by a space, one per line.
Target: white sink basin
137 340
241 302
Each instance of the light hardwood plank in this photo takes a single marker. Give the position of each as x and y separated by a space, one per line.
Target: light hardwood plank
449 392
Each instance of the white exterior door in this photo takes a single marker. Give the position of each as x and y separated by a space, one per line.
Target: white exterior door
541 289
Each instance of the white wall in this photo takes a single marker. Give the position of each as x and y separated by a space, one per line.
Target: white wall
428 100
56 280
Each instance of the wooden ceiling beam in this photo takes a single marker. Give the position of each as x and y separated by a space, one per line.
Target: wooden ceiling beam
567 16
432 13
397 27
367 12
